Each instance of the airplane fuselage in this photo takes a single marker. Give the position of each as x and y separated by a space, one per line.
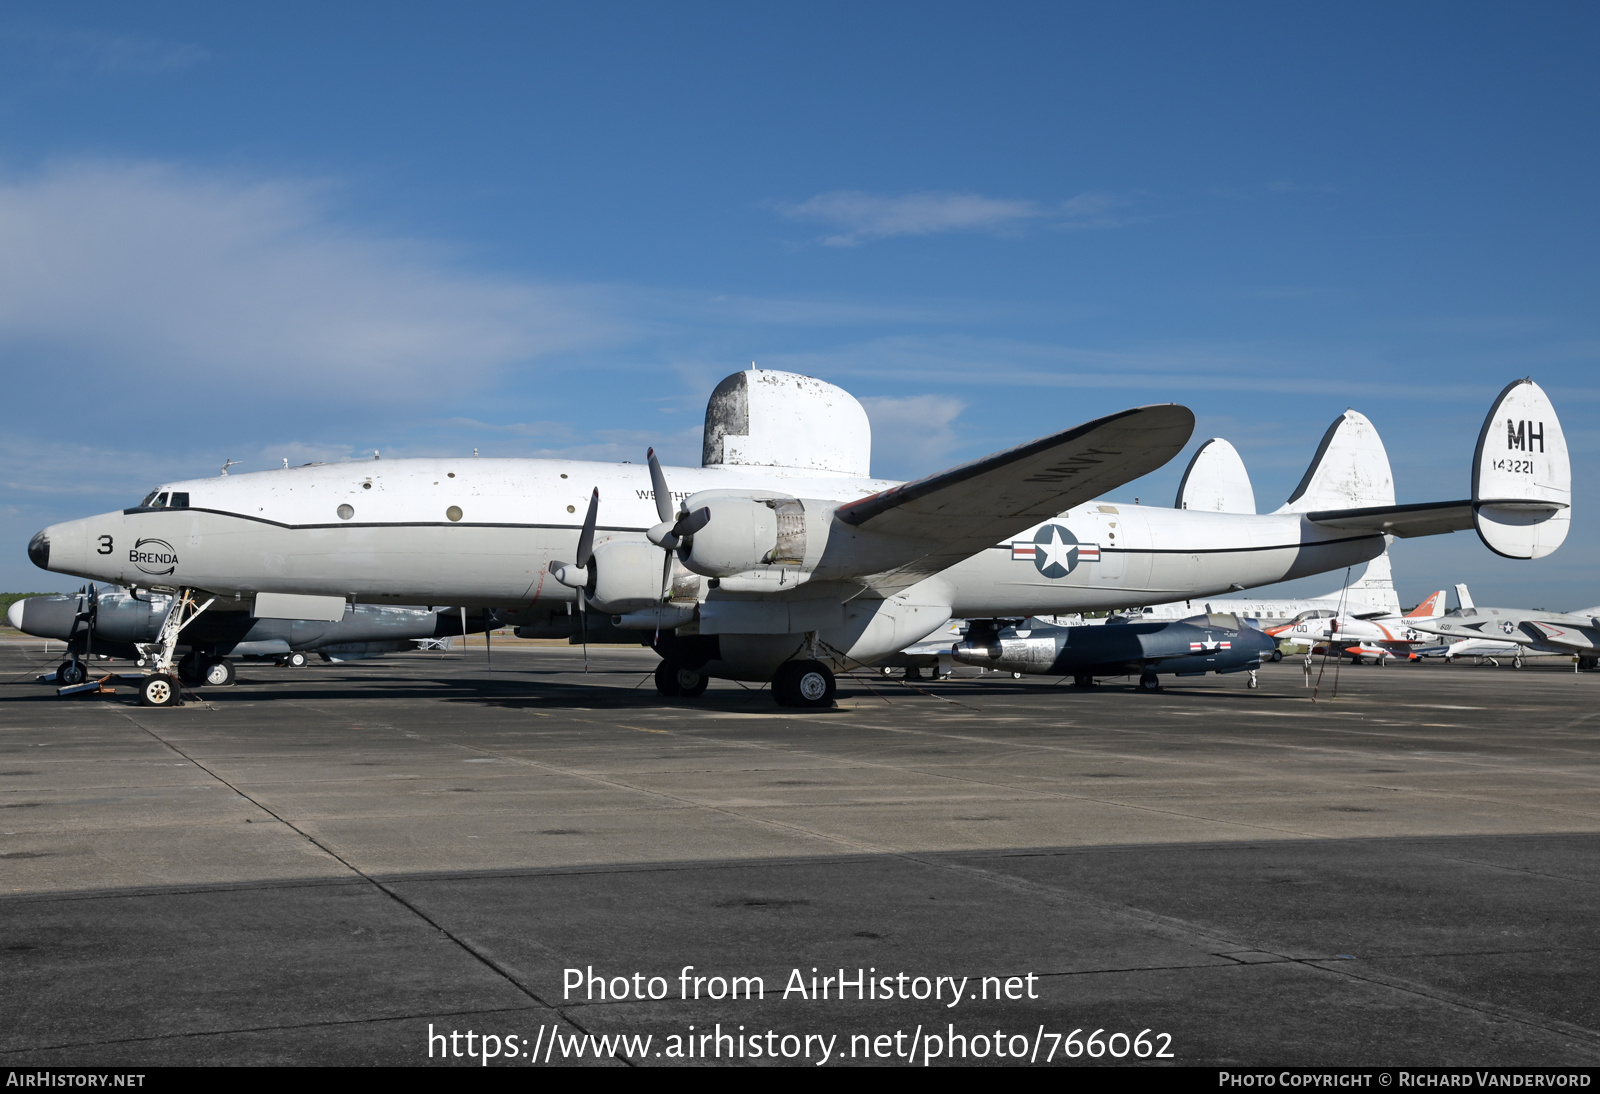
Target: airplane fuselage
483 532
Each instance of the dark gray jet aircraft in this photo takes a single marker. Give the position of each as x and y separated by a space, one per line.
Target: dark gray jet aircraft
1217 642
114 623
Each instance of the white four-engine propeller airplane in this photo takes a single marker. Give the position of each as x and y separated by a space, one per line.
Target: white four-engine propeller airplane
781 558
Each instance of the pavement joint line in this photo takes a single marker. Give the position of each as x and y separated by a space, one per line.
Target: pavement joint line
1588 1037
290 1027
477 953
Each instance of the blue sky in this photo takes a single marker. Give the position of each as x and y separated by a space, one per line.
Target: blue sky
309 231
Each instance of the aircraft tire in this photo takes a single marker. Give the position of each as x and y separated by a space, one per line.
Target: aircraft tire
1277 655
692 684
806 684
1149 682
71 672
1083 681
158 691
218 673
295 660
667 680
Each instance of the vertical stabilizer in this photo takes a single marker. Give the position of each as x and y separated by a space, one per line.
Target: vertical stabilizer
1431 608
1464 598
1375 587
1216 481
1521 476
1349 471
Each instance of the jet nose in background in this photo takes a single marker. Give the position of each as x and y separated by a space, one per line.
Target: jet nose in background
44 616
39 555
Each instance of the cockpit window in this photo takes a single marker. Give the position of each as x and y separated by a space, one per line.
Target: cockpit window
150 499
180 499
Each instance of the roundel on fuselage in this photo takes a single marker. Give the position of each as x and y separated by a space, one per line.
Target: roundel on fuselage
1055 551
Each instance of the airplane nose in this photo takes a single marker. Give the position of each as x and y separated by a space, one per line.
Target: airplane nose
14 614
63 548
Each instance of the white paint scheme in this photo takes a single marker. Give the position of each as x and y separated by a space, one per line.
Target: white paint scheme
1216 481
484 532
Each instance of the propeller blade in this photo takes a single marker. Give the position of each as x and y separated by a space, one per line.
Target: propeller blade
658 485
586 537
666 576
583 626
690 523
488 649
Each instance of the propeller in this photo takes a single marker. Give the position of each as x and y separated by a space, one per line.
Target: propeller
576 575
677 527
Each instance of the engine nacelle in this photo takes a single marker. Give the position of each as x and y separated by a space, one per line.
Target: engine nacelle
625 576
751 532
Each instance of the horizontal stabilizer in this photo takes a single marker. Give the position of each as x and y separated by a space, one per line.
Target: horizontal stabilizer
954 514
1427 519
1216 481
1521 475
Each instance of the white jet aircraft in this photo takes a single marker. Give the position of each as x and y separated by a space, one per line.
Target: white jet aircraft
781 558
1530 631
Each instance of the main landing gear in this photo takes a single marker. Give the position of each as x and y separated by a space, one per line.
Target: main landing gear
196 668
1149 682
674 681
72 672
803 684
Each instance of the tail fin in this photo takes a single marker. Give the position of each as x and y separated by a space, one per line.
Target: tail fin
1521 475
1375 587
1216 481
1431 608
1349 471
1464 598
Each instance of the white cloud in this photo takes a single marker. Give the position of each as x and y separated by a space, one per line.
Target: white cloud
250 289
864 216
912 435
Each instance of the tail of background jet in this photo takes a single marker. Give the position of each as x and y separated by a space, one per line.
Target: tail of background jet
1374 588
1349 471
1216 481
1431 608
1465 598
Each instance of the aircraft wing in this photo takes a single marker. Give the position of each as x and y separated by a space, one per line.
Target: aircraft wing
1572 638
1427 519
954 514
